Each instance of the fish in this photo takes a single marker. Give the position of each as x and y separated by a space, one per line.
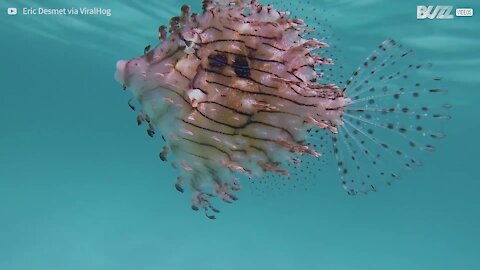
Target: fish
245 89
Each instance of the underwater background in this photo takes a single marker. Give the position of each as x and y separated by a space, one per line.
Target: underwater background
81 187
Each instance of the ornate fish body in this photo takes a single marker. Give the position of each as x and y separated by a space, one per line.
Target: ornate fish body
236 90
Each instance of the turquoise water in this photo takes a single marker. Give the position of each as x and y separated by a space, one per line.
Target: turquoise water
81 187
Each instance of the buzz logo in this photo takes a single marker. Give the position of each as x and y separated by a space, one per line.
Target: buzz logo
434 12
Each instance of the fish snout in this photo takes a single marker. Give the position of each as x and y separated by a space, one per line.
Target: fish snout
121 70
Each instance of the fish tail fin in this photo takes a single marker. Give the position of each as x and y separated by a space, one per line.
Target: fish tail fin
397 112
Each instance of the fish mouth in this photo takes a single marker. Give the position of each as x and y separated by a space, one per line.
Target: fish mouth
121 71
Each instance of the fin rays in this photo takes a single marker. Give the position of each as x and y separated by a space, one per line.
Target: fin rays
396 113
